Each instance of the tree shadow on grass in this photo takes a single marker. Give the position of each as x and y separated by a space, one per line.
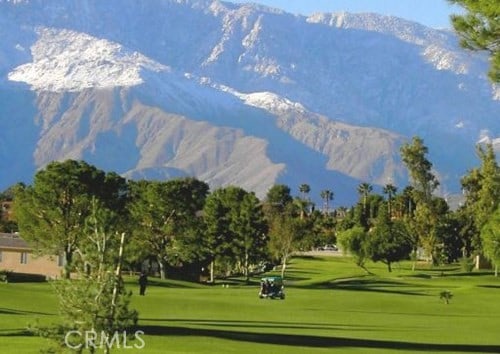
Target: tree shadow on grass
308 257
15 332
6 311
315 341
294 278
466 274
489 286
176 284
270 324
308 271
417 276
371 285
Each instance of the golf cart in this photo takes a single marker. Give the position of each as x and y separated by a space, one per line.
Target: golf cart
271 288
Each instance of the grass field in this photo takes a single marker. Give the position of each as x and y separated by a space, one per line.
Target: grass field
331 307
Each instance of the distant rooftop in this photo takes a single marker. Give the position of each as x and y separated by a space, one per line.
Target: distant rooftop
12 241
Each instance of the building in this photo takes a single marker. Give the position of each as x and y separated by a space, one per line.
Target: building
18 257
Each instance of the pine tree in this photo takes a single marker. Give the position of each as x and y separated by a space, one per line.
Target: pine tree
479 29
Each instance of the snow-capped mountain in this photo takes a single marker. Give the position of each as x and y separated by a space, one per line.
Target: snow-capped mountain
236 94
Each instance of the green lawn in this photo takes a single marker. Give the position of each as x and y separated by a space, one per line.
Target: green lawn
331 306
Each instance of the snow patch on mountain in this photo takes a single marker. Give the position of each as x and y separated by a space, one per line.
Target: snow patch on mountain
65 60
438 46
271 102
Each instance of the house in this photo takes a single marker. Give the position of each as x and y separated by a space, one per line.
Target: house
18 257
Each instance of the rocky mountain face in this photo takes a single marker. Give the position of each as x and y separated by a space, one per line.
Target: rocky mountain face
236 94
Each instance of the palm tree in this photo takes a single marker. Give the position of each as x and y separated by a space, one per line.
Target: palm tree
304 189
326 195
342 211
364 190
390 190
302 205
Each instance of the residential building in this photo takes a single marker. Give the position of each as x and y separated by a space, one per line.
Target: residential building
18 257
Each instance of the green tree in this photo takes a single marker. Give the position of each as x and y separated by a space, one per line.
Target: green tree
216 218
250 228
303 203
95 301
490 235
481 187
364 189
285 232
388 241
479 29
420 169
404 203
488 194
450 238
52 211
235 229
425 218
304 190
165 213
279 196
354 241
7 223
320 231
390 190
327 196
278 200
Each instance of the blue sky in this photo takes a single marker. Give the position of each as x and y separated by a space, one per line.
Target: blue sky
432 13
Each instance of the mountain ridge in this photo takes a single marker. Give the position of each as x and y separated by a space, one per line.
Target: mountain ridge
325 99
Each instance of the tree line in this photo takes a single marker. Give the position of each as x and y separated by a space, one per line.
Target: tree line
186 229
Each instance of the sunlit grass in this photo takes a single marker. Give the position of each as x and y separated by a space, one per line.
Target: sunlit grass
331 306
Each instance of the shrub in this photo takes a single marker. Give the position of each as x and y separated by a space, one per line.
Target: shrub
4 276
445 295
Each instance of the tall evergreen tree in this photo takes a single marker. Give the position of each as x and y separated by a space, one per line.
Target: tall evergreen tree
420 169
235 229
479 29
490 235
481 187
424 182
250 228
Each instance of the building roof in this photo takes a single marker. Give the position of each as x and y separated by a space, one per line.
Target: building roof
13 241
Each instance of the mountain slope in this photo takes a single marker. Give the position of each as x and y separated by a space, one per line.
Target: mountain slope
236 94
